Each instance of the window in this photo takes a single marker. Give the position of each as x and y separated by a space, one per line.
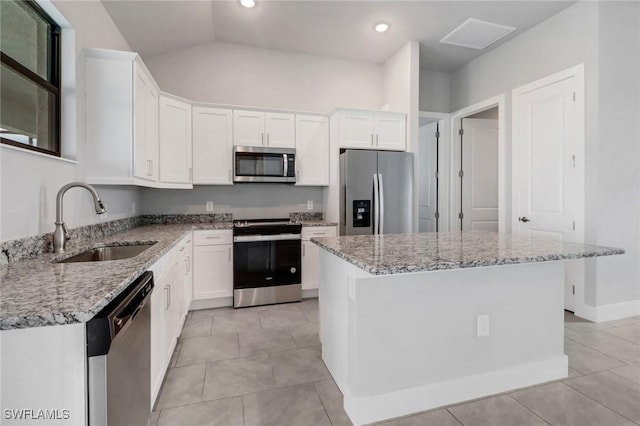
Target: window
29 77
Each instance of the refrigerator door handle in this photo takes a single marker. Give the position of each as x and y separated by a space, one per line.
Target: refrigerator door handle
376 204
381 209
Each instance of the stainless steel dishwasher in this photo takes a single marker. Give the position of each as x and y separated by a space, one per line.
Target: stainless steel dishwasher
118 354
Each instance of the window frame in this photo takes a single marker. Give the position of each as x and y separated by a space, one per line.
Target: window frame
51 85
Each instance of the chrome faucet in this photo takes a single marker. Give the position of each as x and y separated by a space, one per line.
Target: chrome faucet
61 234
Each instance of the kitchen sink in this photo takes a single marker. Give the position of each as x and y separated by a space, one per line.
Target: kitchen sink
114 252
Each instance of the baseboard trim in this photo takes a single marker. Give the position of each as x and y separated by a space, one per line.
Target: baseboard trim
310 293
610 312
375 408
218 302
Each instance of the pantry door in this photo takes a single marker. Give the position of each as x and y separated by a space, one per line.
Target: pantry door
548 166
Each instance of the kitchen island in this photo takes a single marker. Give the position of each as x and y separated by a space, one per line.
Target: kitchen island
410 322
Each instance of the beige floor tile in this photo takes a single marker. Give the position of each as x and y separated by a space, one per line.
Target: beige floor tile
196 327
559 404
333 403
629 372
182 386
209 348
629 332
279 318
432 418
496 410
611 345
234 323
253 342
153 419
295 405
611 390
223 412
238 377
298 366
586 360
305 334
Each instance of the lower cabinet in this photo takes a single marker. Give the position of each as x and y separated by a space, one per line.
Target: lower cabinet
311 255
212 264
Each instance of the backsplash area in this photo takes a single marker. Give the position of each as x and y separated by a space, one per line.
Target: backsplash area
23 248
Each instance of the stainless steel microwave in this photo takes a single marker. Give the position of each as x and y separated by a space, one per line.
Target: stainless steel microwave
259 164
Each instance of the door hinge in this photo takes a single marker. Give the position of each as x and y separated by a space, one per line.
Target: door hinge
460 174
437 215
573 289
573 160
437 174
437 135
460 215
461 132
573 225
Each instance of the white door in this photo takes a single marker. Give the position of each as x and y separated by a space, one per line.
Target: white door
427 161
280 130
390 131
212 271
312 150
212 146
141 110
310 265
479 174
547 146
175 141
248 128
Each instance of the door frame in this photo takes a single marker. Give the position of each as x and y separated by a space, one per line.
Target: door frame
443 165
577 72
454 157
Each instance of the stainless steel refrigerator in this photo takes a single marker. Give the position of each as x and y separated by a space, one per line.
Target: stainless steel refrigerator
376 192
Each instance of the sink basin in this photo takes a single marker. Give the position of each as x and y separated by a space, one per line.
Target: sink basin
101 254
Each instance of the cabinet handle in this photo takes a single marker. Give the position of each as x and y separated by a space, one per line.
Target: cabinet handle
229 254
267 139
262 136
303 250
168 301
212 237
372 139
377 140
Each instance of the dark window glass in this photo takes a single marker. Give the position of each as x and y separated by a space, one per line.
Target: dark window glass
29 77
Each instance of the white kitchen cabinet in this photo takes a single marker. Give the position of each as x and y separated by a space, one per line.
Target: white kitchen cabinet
371 129
158 364
212 264
121 119
171 298
311 255
212 146
175 142
312 150
263 129
185 271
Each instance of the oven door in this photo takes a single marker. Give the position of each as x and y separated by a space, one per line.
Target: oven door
266 261
259 165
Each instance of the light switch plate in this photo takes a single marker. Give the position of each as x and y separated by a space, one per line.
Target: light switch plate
483 325
209 206
309 204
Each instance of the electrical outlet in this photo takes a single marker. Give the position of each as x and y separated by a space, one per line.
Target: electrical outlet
209 206
483 325
309 204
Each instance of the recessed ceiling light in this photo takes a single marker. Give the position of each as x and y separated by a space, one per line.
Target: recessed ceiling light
381 27
248 3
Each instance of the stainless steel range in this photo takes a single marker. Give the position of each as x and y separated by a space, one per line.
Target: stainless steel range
266 262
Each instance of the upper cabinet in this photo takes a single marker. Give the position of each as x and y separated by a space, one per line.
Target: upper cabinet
312 150
371 129
264 129
175 143
212 146
121 119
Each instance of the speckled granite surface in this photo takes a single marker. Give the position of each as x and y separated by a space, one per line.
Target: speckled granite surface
316 223
402 253
300 216
37 292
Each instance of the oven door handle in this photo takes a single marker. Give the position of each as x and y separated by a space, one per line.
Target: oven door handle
255 238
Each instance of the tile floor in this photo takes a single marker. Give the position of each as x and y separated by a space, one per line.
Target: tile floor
262 366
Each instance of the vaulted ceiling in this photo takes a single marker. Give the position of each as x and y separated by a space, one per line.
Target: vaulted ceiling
339 29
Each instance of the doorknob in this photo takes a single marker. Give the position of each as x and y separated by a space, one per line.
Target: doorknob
524 219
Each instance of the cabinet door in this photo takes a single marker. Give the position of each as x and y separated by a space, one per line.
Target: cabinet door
212 146
310 265
157 341
175 141
248 128
170 318
212 271
390 132
312 150
357 130
145 121
280 130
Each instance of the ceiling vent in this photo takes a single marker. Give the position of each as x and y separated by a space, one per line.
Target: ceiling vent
477 34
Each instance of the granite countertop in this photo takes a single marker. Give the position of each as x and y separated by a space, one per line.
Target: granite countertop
310 223
38 292
401 253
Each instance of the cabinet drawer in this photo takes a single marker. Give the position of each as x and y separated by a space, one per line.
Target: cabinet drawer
209 238
318 231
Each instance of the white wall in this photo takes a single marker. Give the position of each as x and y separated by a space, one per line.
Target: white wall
244 75
605 37
244 201
29 182
435 91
